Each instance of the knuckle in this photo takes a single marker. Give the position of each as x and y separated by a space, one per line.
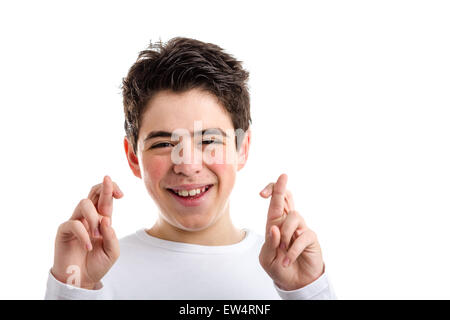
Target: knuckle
76 224
61 226
278 207
115 254
283 230
73 225
84 203
298 217
310 235
87 205
313 235
261 258
292 255
80 203
277 192
292 213
284 239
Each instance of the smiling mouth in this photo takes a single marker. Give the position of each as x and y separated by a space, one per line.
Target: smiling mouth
190 194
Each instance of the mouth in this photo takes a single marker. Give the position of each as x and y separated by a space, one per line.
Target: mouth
191 197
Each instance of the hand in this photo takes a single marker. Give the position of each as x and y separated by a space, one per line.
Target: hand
291 254
86 243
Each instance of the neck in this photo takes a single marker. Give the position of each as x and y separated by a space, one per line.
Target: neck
221 233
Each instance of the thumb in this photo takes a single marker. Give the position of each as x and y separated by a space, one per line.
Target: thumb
110 241
274 237
269 249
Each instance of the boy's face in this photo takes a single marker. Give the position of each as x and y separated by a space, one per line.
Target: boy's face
170 167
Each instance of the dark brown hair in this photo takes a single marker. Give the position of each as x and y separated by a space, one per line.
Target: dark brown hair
180 65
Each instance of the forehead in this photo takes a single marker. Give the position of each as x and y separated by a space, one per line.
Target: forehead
168 111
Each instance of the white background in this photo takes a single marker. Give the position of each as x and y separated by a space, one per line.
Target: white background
349 98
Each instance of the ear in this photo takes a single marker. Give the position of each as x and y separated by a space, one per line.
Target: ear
133 160
244 149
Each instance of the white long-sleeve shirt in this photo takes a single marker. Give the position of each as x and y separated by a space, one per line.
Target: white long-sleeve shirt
152 268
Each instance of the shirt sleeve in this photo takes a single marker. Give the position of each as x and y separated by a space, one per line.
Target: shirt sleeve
56 290
320 289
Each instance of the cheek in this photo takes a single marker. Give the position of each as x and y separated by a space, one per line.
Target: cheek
226 174
219 154
154 170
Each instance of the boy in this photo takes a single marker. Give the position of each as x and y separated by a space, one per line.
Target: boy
175 92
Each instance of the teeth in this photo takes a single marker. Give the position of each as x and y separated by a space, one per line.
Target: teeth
193 192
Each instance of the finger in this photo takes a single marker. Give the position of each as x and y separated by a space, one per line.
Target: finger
269 250
267 191
117 193
289 200
110 241
85 209
286 208
94 190
77 229
297 234
105 200
85 224
305 240
94 194
292 222
276 206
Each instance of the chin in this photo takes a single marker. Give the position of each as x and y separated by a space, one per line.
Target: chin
194 223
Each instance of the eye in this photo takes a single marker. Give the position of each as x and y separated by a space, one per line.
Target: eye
161 145
210 141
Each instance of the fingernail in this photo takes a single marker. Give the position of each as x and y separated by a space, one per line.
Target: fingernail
96 233
88 246
282 246
286 262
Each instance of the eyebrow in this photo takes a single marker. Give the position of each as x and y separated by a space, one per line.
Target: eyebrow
166 134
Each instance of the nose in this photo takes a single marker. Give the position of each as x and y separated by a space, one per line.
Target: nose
187 169
191 162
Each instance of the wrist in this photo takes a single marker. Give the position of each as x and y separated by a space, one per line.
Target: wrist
64 278
89 286
301 283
